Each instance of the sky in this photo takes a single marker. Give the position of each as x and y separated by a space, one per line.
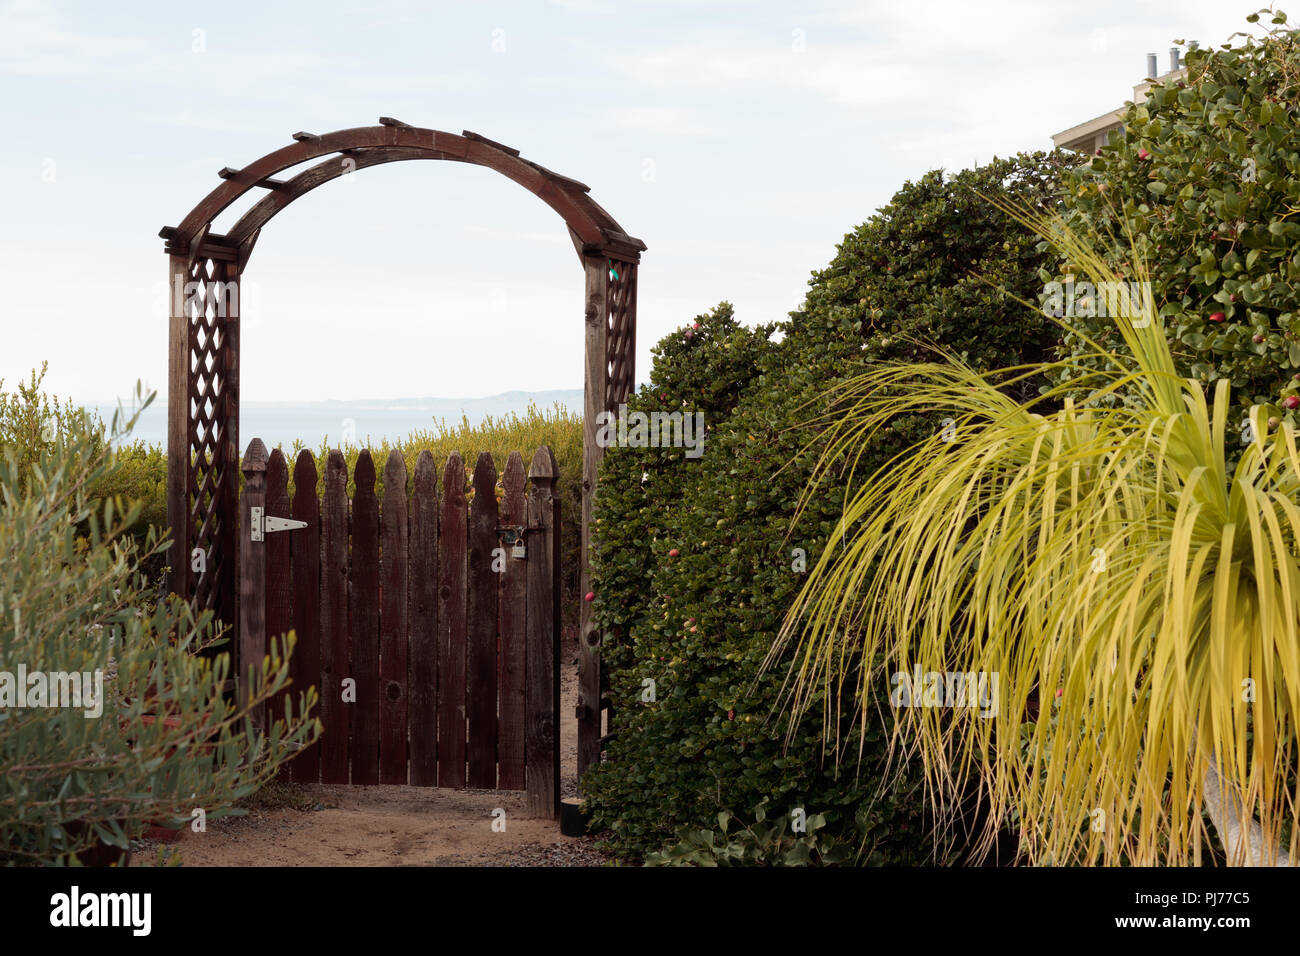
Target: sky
739 140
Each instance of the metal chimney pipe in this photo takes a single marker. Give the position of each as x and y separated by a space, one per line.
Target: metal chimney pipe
1151 66
1173 59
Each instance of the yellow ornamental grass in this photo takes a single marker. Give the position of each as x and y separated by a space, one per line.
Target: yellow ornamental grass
1129 596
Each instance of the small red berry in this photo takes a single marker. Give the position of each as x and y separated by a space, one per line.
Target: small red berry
1291 401
731 715
673 553
1143 154
591 596
1217 317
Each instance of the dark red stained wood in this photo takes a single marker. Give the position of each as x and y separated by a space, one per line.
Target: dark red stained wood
365 621
304 550
481 692
180 421
208 518
541 733
279 620
227 417
335 652
596 401
511 601
451 626
252 582
393 542
566 196
423 603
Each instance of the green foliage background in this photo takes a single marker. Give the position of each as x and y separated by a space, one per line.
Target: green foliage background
1203 184
74 598
700 624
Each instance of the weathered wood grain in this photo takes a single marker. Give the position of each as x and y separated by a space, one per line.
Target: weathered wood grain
452 626
336 667
422 711
304 551
365 621
481 690
511 619
393 623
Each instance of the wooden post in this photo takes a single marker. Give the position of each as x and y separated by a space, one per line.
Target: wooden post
252 577
178 427
226 545
423 615
595 388
365 621
451 626
305 550
394 527
279 590
542 739
335 652
481 686
512 615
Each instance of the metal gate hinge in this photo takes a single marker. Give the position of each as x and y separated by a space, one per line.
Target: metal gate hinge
262 524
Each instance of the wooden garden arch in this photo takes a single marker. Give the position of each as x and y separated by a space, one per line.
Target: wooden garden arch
204 272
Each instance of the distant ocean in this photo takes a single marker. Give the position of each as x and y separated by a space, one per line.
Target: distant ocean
359 421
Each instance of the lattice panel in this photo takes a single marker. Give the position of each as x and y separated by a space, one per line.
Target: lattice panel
620 337
212 483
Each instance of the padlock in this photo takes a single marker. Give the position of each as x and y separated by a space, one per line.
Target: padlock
515 538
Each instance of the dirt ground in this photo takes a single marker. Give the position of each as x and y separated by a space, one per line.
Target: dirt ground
330 825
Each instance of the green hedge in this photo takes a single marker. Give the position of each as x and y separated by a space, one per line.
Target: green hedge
1202 182
700 623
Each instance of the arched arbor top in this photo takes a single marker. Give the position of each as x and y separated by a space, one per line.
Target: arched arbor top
204 272
592 229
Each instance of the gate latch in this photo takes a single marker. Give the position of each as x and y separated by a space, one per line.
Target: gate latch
263 524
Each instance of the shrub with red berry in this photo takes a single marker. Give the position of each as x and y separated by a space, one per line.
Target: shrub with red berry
1202 177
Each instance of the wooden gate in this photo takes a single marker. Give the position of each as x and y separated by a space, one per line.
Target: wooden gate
430 624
